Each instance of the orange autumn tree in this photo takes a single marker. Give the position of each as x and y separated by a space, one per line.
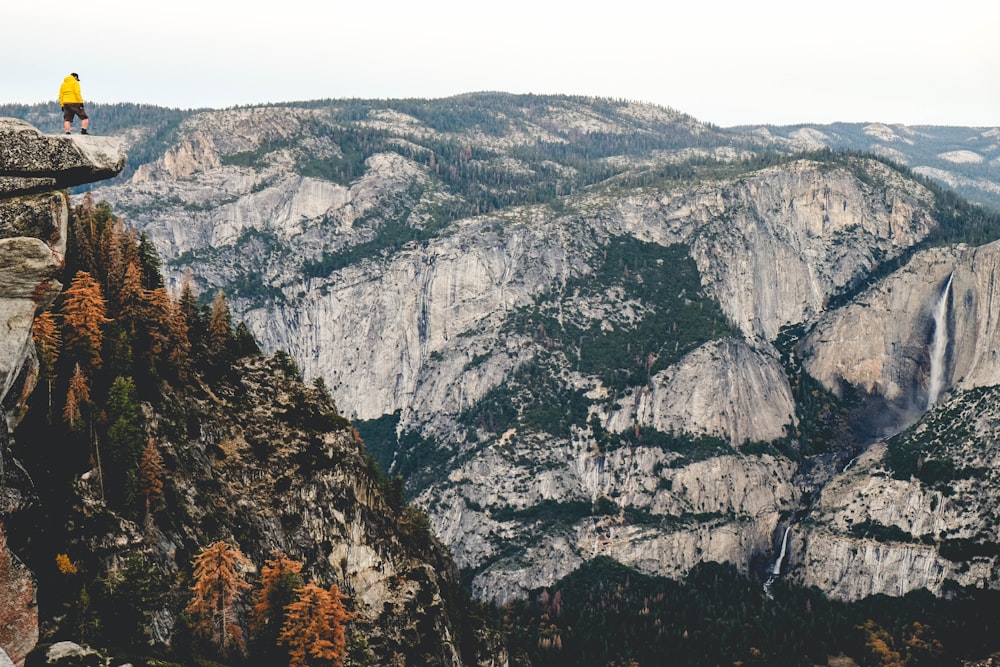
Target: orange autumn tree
45 332
218 583
878 642
76 396
314 627
84 315
151 474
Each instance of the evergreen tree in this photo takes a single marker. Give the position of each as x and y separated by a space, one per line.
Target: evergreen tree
149 260
76 396
45 333
151 474
314 627
130 299
280 579
125 443
218 583
84 315
220 325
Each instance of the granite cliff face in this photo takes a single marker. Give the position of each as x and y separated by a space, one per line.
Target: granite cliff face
882 345
451 279
35 171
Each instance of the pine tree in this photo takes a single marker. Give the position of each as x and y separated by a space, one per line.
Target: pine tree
151 474
218 583
45 332
188 301
197 329
130 299
314 627
280 579
167 330
219 325
76 396
149 260
84 315
126 442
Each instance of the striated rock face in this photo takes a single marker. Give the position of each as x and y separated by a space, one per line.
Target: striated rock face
34 210
757 407
427 333
935 493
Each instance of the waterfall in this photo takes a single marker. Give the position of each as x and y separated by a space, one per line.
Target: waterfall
939 345
776 570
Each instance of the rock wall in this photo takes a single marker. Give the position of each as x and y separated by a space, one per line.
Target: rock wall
424 330
35 170
880 343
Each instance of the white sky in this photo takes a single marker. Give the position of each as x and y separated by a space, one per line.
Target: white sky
722 61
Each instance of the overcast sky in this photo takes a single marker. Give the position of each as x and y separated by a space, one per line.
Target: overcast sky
724 62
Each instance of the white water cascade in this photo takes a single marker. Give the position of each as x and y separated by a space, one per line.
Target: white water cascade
776 568
939 345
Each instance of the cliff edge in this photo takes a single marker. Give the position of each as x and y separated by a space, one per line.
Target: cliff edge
35 172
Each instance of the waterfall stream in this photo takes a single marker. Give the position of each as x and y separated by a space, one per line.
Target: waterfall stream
939 346
776 568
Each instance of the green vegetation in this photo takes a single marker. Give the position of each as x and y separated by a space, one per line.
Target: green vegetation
933 452
825 422
607 614
880 532
689 448
667 316
534 398
408 456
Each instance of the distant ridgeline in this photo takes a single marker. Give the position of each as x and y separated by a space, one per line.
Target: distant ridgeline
960 158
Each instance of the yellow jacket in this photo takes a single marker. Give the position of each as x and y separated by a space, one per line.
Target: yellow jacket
69 92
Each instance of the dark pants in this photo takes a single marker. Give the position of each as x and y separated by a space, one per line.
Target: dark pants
70 110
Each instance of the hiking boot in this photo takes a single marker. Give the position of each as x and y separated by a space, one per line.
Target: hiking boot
83 131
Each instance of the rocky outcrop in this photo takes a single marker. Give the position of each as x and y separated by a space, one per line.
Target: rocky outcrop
758 406
34 212
267 464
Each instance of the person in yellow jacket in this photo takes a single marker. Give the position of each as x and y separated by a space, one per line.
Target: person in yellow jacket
71 101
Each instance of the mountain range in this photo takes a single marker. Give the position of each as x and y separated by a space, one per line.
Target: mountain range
595 332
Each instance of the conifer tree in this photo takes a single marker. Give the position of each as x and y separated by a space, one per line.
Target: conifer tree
76 396
84 236
112 249
45 332
151 474
130 299
188 301
84 315
218 583
197 329
280 579
219 325
167 330
125 442
149 260
314 627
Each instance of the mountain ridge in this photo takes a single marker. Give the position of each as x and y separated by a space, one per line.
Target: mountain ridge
580 339
493 306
